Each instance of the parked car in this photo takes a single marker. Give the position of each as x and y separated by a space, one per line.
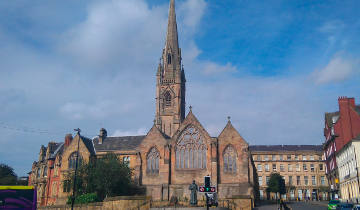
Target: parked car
356 207
332 204
345 206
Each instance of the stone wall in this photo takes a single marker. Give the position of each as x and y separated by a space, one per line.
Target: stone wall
120 202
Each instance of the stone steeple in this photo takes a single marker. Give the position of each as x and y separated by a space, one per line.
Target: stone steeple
170 87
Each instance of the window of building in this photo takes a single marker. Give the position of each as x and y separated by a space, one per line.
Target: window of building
72 160
259 167
152 159
289 157
66 186
282 168
290 180
260 180
266 157
322 180
311 157
304 167
167 99
45 171
296 157
267 167
290 167
313 180
274 167
126 160
312 168
280 157
298 180
306 180
321 167
259 157
304 157
169 59
191 148
267 180
230 157
297 167
273 157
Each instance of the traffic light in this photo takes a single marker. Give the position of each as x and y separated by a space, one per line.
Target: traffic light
207 181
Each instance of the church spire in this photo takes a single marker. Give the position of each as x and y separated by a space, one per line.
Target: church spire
172 34
170 76
172 53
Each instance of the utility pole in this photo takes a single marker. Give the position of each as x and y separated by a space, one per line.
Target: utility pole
76 166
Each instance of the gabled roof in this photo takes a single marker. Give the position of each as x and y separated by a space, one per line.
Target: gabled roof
121 143
285 148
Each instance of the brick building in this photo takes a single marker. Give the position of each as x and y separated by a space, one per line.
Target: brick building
340 128
301 166
175 151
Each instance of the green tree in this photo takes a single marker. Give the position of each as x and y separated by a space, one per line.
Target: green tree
106 176
7 175
276 184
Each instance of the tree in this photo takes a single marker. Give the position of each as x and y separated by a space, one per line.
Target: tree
276 184
106 176
7 175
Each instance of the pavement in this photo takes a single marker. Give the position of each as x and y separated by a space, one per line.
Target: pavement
313 205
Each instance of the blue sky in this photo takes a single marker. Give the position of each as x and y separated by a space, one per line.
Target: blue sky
275 67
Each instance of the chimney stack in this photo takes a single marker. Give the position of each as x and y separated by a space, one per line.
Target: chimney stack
68 139
102 135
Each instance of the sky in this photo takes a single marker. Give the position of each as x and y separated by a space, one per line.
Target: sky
274 66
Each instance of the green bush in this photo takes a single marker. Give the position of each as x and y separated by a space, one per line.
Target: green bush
85 198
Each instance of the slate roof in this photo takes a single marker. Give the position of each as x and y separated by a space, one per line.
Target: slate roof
285 148
59 149
89 144
118 143
329 116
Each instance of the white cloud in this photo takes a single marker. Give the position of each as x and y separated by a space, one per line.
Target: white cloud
140 131
214 68
338 69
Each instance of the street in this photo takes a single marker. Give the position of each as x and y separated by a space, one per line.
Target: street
295 206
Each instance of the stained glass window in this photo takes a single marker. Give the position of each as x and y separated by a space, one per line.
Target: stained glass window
152 165
190 150
230 157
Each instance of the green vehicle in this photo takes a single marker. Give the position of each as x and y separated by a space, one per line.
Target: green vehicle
332 204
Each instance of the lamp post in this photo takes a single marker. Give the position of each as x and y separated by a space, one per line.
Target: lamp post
76 166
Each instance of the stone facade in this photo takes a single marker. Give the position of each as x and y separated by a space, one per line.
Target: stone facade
302 167
175 151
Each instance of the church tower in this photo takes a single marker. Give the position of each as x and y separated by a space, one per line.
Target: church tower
170 81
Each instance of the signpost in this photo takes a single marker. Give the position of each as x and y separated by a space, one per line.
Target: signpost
210 192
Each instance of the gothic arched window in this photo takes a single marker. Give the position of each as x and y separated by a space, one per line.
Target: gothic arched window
72 160
167 99
190 150
152 160
230 157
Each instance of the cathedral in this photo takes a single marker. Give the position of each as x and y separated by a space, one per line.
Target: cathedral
174 152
